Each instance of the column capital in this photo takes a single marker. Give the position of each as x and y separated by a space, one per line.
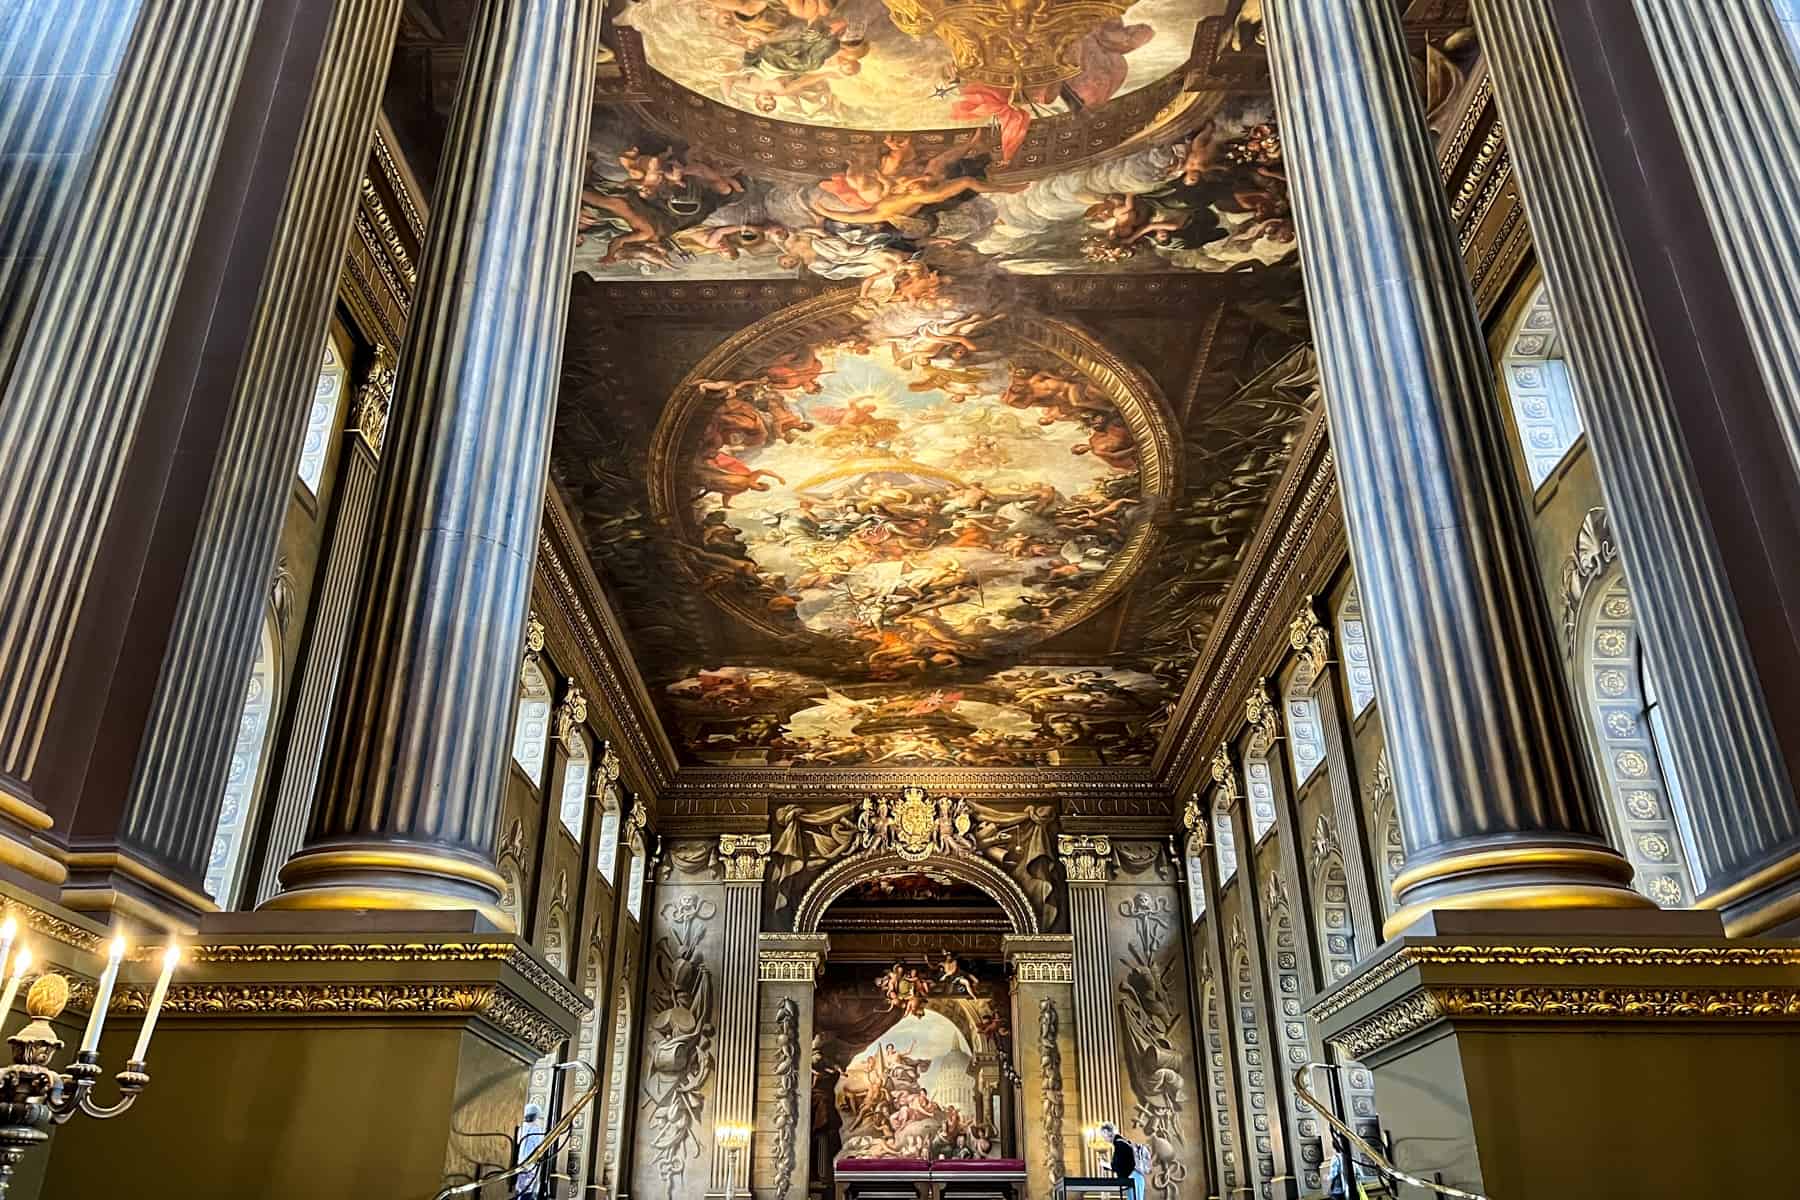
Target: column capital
374 397
791 957
1263 716
745 856
1040 957
1308 637
1087 858
1223 769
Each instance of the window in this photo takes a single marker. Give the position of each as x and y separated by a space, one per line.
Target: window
249 755
1259 789
1656 719
1196 879
1353 642
531 730
607 857
1305 732
1224 845
1538 389
575 782
322 419
634 888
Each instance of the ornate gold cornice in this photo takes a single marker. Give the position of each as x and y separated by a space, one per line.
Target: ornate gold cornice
745 856
1087 858
53 927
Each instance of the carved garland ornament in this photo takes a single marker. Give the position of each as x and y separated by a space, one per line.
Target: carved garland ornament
1050 1067
787 1076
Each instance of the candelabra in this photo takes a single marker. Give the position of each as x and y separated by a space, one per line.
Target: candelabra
734 1139
36 1097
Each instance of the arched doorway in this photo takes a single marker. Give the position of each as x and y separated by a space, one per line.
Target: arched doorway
911 1021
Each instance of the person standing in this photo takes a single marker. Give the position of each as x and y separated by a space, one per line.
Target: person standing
531 1136
1124 1160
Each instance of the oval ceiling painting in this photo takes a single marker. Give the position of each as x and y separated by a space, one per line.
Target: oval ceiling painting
912 488
917 64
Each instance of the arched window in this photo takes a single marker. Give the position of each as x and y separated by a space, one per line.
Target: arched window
1384 823
511 861
634 888
322 420
531 728
1259 791
1196 877
1353 641
1538 388
1305 731
1644 809
1224 844
573 809
607 856
249 762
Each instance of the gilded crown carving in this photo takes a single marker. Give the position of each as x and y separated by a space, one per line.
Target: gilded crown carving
916 826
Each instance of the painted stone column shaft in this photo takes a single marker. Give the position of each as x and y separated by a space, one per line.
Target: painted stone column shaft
746 859
1087 863
72 394
1734 779
409 806
209 641
1734 89
787 971
298 779
1497 805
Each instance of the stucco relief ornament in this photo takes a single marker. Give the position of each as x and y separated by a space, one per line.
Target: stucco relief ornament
1263 716
571 715
678 1060
1325 841
1223 775
1150 1014
915 826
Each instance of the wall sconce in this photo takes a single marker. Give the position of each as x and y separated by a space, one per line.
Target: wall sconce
734 1140
34 1096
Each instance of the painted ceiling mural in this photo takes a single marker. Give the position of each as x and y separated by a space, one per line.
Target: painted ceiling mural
931 364
928 510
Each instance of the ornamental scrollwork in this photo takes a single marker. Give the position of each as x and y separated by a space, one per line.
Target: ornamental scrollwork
1224 776
745 856
1150 1012
571 715
1263 717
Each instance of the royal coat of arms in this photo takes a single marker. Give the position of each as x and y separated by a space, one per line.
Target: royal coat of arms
915 826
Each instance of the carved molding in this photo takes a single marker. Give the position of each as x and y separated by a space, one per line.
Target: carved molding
787 1099
1309 639
965 868
1044 968
1087 858
789 966
374 397
1595 550
1050 1067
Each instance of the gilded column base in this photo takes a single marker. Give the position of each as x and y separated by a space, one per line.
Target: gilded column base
1527 877
390 877
1629 1054
1766 901
107 883
20 820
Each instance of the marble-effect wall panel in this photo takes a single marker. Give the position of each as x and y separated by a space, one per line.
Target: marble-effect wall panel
1145 933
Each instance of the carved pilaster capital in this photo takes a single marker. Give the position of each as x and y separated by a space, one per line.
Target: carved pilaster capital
1224 775
1263 716
571 715
637 826
374 396
1087 858
609 763
745 855
534 634
1309 638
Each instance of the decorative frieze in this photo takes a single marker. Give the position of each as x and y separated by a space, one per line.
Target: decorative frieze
1087 858
1044 968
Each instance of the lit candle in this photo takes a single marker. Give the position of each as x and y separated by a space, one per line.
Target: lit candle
8 931
12 982
90 1041
171 956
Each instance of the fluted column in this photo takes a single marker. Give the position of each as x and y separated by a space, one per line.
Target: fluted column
745 858
346 548
408 810
1734 779
1497 805
97 308
1734 89
1087 864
